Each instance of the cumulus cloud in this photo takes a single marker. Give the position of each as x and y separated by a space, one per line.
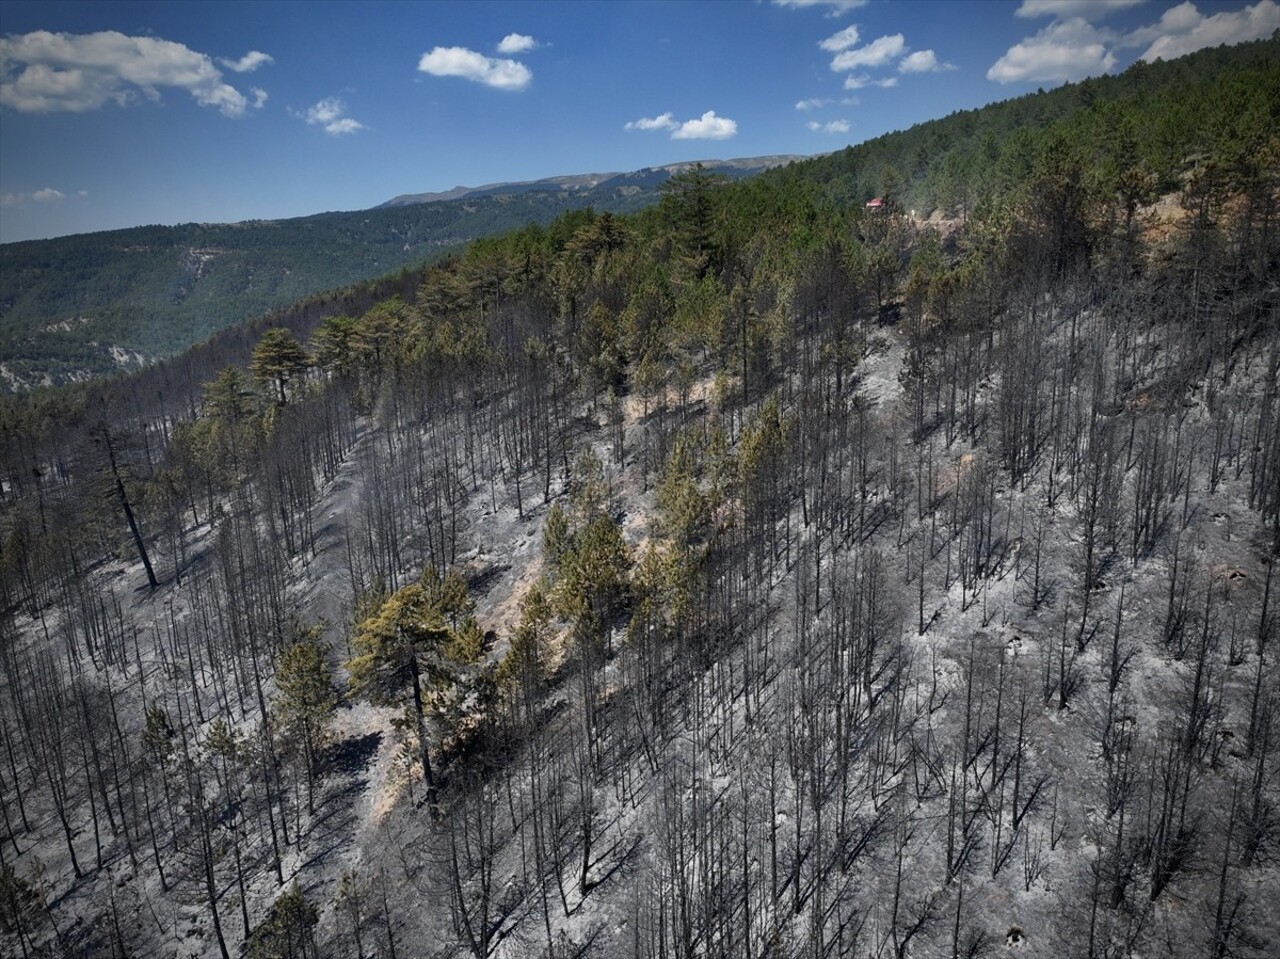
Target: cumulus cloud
833 7
469 65
875 54
706 127
835 126
860 80
46 195
880 52
922 61
843 40
1073 48
249 62
331 114
1180 19
1064 50
517 43
1183 29
43 72
663 122
812 103
1068 9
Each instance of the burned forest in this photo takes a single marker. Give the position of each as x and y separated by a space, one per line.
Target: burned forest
759 574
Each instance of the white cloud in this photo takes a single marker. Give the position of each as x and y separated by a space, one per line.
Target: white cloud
1066 50
517 43
922 61
858 81
1180 19
469 65
249 62
834 7
812 103
343 125
47 195
707 127
259 97
1067 9
875 54
835 126
330 113
1183 29
45 72
326 111
1071 49
664 122
840 41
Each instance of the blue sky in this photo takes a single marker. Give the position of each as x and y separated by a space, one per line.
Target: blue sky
116 114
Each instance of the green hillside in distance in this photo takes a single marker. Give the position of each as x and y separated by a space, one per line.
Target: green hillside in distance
83 306
78 307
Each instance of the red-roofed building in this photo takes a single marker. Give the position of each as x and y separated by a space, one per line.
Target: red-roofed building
875 206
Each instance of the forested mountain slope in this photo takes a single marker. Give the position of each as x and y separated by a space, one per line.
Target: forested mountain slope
1138 132
750 576
96 304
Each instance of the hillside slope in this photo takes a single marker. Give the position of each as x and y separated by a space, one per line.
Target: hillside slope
838 637
750 576
98 304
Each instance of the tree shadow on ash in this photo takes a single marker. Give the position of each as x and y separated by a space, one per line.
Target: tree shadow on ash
335 823
483 581
350 756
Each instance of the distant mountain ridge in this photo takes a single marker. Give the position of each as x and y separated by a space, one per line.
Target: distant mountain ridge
735 169
77 307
